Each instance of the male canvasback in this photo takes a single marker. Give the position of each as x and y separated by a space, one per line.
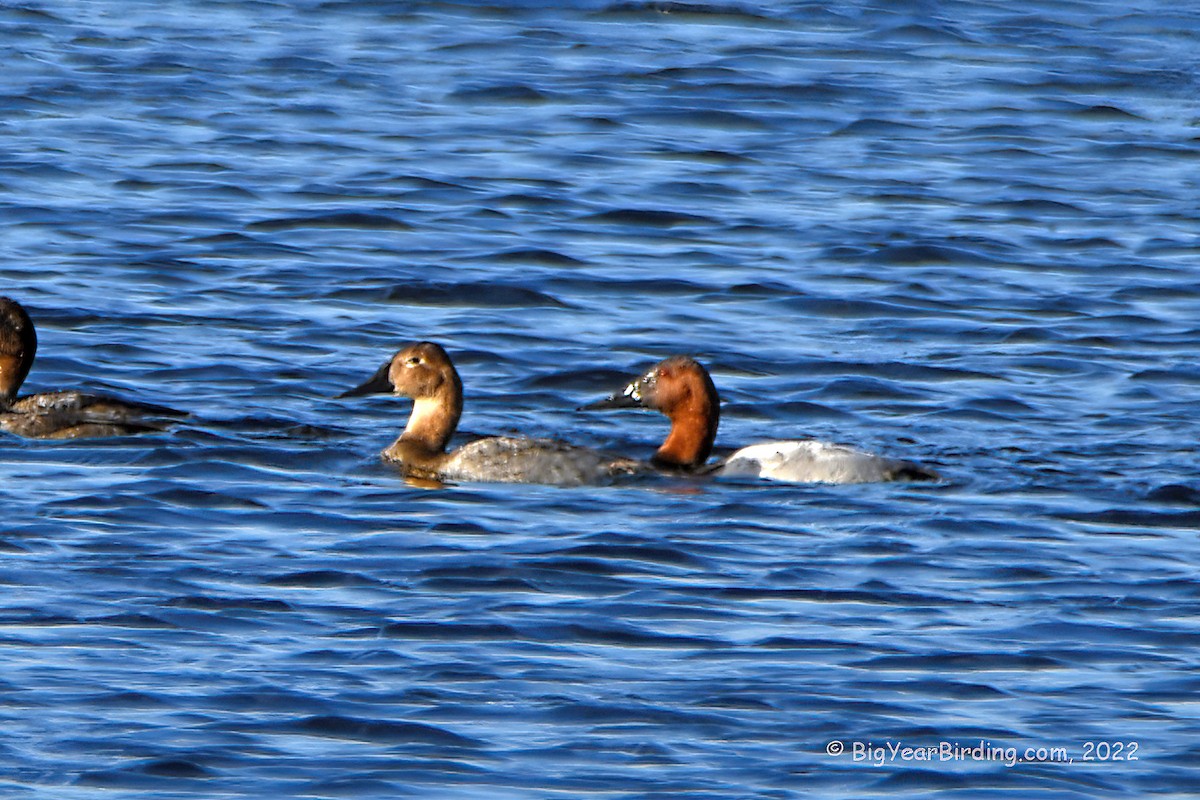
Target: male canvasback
681 388
59 415
424 373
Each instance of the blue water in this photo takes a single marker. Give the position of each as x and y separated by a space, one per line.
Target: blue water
961 233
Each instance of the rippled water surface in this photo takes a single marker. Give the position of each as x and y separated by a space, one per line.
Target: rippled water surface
961 233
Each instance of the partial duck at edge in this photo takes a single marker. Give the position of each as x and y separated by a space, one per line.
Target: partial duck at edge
680 388
65 414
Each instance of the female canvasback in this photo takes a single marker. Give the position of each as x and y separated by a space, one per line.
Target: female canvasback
59 415
681 388
424 373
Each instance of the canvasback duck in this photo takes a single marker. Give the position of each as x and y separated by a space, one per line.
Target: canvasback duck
424 373
60 415
680 388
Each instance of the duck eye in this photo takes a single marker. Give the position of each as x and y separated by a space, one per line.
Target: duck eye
412 361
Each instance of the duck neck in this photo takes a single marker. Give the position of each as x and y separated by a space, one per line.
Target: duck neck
12 375
693 430
433 421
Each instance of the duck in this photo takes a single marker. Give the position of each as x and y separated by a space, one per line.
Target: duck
63 414
680 388
424 373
